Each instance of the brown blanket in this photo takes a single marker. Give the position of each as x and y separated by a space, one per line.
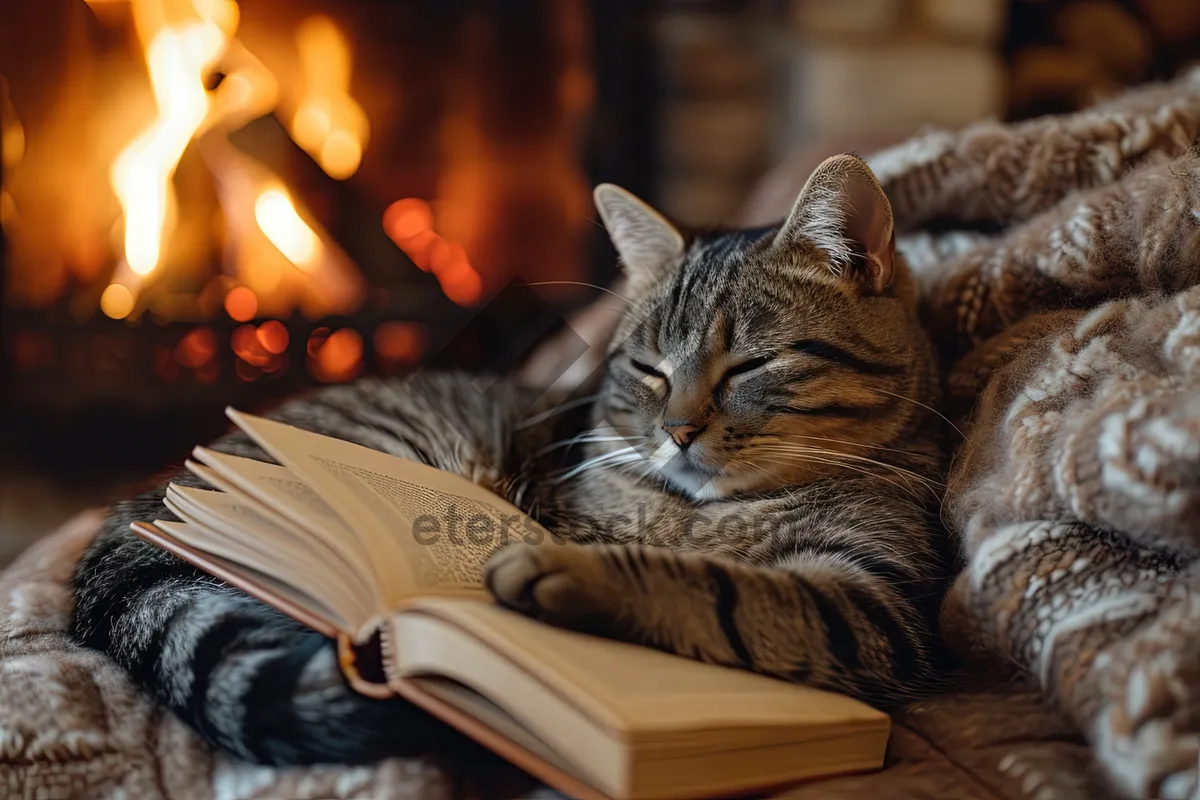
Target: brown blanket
1072 343
73 726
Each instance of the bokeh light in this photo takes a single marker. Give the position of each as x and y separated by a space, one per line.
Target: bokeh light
117 301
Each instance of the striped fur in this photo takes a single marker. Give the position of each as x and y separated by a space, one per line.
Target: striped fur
795 536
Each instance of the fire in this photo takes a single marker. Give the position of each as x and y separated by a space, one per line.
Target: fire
12 134
409 223
282 225
177 57
263 230
12 150
328 124
183 40
117 301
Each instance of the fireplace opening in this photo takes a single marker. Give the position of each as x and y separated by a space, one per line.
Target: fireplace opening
212 202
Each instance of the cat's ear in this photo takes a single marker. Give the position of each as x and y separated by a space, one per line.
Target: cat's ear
843 211
645 241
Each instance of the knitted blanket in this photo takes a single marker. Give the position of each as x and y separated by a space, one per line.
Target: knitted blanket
72 725
1071 341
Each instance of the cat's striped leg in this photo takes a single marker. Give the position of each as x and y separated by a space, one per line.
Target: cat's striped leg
829 622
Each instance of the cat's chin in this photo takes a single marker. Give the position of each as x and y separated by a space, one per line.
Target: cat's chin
708 486
702 485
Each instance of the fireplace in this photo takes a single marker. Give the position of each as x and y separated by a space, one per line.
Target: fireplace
210 202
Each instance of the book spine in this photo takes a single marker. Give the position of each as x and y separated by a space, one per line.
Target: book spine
369 667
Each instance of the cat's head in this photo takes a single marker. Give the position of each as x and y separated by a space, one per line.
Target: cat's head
753 360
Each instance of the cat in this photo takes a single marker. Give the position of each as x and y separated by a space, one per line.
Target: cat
754 483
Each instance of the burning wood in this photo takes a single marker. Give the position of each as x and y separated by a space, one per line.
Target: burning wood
328 124
184 41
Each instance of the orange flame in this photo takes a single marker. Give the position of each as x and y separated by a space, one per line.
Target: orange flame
409 223
328 124
278 219
181 44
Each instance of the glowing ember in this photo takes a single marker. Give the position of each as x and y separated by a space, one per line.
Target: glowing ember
241 304
419 248
316 341
117 301
399 342
461 283
273 336
177 59
406 218
409 223
279 220
328 123
338 358
197 348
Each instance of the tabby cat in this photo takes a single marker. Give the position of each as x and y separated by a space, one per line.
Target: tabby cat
753 484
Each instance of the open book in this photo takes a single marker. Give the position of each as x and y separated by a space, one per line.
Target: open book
386 555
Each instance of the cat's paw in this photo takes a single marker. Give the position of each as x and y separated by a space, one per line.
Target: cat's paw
565 585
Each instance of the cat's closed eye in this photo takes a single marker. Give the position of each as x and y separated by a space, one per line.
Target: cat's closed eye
749 365
643 367
743 368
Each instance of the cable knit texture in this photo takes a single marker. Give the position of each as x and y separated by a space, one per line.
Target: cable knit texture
1072 346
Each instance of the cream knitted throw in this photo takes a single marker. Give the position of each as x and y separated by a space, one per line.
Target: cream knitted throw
1072 346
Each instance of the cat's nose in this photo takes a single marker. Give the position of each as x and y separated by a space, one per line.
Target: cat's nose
684 433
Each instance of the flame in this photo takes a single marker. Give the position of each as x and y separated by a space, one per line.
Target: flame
177 58
241 304
182 42
278 219
117 301
12 140
12 150
409 223
328 124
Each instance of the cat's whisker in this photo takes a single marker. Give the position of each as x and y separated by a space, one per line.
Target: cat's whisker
802 457
586 439
929 408
582 283
624 452
854 456
558 409
627 464
844 442
809 459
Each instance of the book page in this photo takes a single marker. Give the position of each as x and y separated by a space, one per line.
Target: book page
434 529
227 561
630 720
296 558
281 496
275 486
637 689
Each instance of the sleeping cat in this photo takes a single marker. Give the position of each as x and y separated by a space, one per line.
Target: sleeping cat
754 484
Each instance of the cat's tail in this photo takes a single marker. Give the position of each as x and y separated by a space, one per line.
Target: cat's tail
247 678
